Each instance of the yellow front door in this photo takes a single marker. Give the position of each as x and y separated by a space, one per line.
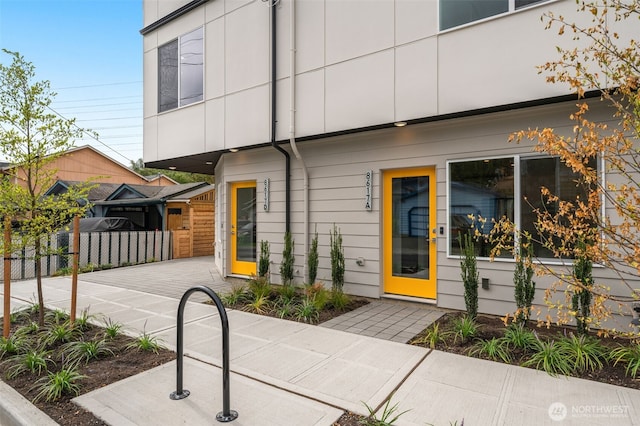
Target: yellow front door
409 232
243 228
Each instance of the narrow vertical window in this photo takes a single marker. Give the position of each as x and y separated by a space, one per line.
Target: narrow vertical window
191 67
181 71
168 76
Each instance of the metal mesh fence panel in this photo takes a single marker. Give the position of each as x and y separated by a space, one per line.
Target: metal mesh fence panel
97 250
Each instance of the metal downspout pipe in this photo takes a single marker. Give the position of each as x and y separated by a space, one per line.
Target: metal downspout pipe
274 120
292 134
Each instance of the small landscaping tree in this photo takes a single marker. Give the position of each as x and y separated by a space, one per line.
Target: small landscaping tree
288 259
469 273
604 62
264 261
337 259
525 287
312 262
581 299
32 136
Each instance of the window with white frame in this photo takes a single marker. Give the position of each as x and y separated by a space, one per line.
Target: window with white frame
494 188
459 12
181 71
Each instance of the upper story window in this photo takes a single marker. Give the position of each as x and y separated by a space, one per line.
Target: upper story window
459 12
181 71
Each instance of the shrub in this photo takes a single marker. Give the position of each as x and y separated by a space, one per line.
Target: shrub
11 345
287 293
318 294
285 310
495 349
59 333
258 305
145 342
307 311
525 287
465 328
260 287
56 316
339 300
111 329
584 353
388 417
433 336
52 387
235 296
519 337
82 322
312 260
265 259
550 357
33 361
82 350
337 259
629 355
469 274
288 259
581 299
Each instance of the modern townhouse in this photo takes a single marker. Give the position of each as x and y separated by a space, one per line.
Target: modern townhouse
387 118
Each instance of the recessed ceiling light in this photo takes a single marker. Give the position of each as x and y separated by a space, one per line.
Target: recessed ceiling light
400 123
172 167
233 149
208 163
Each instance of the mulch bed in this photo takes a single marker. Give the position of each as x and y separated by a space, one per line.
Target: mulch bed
493 326
100 372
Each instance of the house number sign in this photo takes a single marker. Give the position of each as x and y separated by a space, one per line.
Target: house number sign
368 190
266 195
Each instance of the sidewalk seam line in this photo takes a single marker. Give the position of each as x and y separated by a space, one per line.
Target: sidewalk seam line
404 379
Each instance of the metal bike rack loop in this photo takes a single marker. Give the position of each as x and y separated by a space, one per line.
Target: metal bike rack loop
226 415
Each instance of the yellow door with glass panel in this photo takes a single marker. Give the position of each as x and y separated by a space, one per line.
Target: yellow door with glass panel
409 232
243 228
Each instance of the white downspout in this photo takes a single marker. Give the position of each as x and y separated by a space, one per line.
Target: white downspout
292 133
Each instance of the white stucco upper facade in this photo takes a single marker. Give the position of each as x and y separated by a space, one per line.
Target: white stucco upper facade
358 64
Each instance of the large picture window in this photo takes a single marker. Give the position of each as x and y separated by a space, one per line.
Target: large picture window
505 187
459 12
181 71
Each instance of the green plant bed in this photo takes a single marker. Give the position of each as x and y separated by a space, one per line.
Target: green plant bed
312 304
557 349
50 364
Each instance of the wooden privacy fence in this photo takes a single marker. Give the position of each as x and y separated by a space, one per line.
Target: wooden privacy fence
97 249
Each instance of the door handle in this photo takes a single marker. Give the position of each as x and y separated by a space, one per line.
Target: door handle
233 232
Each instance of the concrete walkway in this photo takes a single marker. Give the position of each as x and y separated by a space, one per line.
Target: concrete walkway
286 373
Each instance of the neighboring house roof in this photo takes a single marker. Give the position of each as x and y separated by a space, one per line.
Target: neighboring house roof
146 195
87 163
127 194
189 195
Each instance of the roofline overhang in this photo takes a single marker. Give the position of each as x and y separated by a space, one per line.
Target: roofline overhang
172 16
214 156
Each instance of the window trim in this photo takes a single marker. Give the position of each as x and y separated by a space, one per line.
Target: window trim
517 196
204 38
